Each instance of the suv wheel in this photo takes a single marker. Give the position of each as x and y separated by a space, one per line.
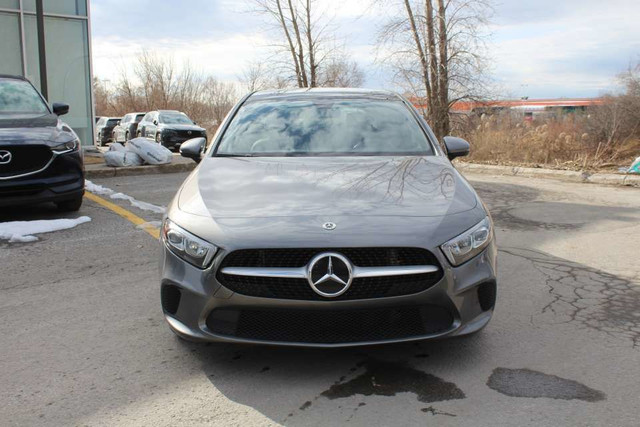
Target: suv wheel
72 205
158 138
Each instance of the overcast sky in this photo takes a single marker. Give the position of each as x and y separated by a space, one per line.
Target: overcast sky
540 48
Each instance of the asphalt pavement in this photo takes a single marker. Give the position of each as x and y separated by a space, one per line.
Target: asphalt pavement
83 340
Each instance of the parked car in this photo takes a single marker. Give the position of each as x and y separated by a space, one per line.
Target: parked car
169 128
104 130
40 155
127 127
326 218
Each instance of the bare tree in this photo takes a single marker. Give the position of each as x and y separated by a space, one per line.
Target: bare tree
158 83
306 43
437 52
341 73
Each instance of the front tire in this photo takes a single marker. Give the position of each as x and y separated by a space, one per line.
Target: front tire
72 205
158 138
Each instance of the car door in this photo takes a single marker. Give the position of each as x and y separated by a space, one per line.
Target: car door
99 126
143 125
117 131
151 127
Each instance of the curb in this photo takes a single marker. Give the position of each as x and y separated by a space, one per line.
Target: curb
627 180
110 172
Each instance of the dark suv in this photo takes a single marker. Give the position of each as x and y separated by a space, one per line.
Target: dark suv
40 157
104 130
127 127
169 128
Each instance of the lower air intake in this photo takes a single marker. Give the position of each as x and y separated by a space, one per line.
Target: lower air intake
329 326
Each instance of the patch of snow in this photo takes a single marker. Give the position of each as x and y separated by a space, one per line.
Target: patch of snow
97 189
138 204
104 191
23 231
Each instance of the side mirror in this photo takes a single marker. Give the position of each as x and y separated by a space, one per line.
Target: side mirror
60 109
456 147
118 124
155 122
193 149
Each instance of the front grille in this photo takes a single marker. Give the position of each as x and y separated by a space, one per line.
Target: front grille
330 326
299 289
186 134
24 159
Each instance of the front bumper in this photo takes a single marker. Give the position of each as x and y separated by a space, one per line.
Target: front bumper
190 296
62 180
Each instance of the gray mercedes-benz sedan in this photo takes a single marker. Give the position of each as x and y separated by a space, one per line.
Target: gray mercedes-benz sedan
326 217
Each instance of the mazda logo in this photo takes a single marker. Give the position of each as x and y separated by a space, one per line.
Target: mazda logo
5 157
330 274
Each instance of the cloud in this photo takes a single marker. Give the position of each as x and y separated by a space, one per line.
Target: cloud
546 48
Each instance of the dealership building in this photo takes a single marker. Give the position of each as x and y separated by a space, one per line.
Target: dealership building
48 42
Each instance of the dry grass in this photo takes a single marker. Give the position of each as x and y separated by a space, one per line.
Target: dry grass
562 143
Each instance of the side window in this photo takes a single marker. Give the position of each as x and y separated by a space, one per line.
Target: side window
125 119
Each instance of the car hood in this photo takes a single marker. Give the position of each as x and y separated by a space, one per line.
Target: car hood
325 187
182 127
31 128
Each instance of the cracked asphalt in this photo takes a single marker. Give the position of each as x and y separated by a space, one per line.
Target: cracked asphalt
83 340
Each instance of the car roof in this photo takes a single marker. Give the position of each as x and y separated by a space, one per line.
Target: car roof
169 111
321 93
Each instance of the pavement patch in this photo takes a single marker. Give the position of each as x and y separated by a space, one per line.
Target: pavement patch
389 378
528 383
129 216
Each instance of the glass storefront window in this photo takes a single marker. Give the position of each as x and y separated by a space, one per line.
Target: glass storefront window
67 50
9 4
10 53
59 7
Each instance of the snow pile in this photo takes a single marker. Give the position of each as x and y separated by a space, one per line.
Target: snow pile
23 231
104 191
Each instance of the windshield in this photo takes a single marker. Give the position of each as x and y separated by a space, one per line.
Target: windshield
112 122
325 126
18 96
175 119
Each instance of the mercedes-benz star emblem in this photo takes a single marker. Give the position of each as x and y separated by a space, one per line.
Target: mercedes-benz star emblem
329 226
330 274
5 157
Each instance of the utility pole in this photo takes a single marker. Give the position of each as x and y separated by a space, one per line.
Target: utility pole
42 52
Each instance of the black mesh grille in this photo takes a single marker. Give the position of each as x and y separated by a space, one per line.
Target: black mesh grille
362 288
24 159
330 326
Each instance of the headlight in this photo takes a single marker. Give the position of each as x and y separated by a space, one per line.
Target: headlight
469 244
66 147
190 248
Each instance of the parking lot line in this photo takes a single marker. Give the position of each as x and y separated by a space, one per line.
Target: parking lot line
131 217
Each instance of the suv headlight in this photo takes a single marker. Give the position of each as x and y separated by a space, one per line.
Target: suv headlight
190 248
66 147
462 248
